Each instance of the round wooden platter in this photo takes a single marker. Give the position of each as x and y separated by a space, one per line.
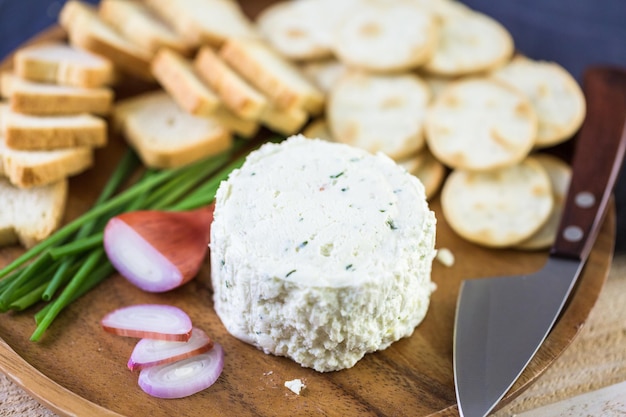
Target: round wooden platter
78 369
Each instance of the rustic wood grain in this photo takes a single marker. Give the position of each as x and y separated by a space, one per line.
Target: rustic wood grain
78 369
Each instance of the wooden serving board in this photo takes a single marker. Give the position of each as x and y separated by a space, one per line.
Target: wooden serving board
78 369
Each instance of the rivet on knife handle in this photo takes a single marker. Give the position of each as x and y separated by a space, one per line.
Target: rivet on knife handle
596 169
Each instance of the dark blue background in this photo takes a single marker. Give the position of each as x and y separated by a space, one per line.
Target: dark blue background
574 33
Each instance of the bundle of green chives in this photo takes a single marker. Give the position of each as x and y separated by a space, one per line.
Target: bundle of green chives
72 261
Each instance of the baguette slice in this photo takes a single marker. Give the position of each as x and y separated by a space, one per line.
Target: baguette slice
277 78
26 169
59 63
88 31
26 132
28 216
166 136
204 21
51 99
177 76
235 93
135 21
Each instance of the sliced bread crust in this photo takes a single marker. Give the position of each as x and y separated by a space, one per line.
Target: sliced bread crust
56 62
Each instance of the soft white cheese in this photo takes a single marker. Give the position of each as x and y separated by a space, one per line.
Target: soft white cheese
321 252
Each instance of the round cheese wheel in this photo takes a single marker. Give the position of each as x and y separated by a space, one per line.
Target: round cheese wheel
321 252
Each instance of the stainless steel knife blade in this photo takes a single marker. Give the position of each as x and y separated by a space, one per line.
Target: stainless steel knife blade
501 322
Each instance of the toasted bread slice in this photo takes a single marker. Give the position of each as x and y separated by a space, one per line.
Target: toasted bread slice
165 135
59 63
136 21
176 75
50 99
88 31
28 216
279 79
204 22
235 93
27 132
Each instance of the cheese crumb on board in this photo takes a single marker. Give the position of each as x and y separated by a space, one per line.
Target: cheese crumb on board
321 252
445 256
295 385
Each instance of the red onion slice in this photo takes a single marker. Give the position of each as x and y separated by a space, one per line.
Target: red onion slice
153 321
137 260
150 352
185 377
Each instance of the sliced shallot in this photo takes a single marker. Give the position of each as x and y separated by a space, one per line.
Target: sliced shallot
150 352
153 321
185 377
158 250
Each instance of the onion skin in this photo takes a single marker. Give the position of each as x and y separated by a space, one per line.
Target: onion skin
198 343
176 242
163 381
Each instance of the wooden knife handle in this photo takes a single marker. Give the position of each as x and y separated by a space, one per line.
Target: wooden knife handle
596 162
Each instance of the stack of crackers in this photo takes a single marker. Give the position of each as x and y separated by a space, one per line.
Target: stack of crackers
51 121
439 88
217 78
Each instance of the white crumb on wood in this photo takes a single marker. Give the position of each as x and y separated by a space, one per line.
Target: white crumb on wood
295 385
445 256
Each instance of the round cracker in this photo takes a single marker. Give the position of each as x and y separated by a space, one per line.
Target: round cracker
302 30
384 36
427 169
481 124
324 73
469 42
560 174
556 96
498 208
379 113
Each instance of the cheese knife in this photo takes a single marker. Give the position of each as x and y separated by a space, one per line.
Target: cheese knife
502 321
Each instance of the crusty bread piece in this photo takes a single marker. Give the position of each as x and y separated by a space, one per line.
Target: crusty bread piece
318 129
480 124
556 96
177 76
28 216
50 99
379 113
386 36
279 79
88 31
235 93
498 208
59 63
166 136
204 21
27 132
27 169
135 21
284 121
